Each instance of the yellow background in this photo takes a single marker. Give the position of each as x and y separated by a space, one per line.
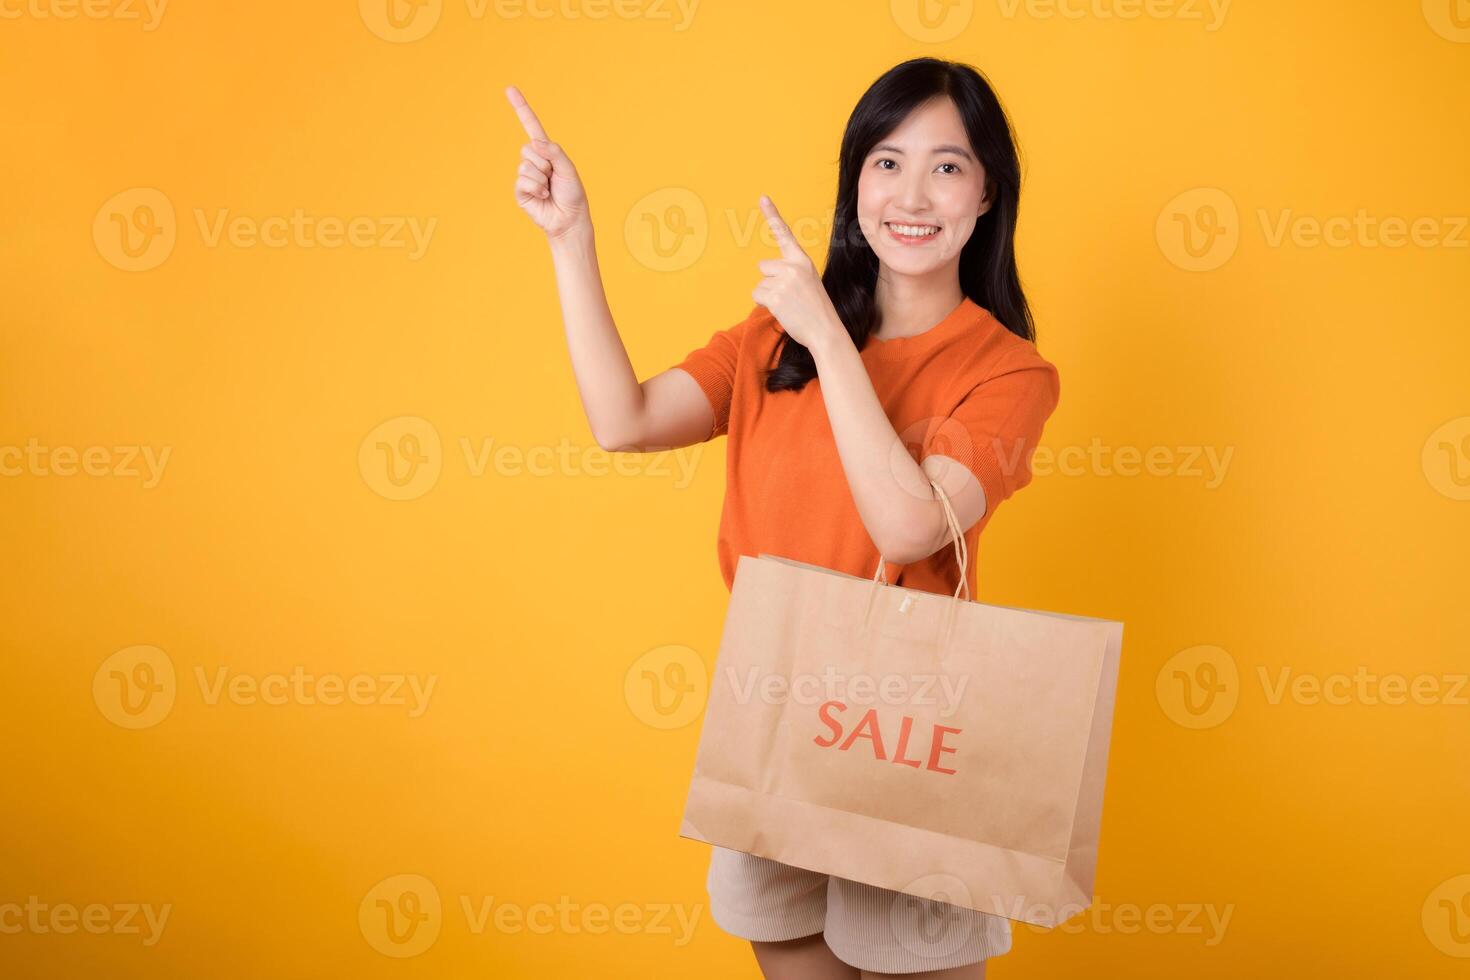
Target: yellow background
1332 833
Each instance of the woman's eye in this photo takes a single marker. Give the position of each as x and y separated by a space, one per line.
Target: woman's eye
884 160
956 169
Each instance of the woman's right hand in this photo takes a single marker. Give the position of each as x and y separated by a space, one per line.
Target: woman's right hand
547 186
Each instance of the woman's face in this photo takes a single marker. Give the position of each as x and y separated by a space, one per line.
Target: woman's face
924 174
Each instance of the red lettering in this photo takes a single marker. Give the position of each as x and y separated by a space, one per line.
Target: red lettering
870 723
903 742
938 746
868 727
822 713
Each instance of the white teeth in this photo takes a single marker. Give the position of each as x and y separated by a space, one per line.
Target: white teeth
914 230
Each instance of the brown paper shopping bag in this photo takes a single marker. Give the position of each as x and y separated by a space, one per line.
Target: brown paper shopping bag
923 743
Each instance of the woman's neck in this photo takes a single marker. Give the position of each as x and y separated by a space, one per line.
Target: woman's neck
909 305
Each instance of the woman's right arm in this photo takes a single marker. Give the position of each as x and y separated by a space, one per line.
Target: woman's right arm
666 411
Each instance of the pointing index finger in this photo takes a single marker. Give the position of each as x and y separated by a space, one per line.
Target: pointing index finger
790 249
523 110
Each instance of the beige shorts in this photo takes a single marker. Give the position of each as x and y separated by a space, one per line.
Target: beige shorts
867 927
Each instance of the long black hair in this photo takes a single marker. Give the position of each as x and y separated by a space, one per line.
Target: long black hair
987 267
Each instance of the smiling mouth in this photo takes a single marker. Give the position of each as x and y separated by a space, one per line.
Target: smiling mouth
911 234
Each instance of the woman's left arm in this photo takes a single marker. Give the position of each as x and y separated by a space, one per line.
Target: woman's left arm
897 505
891 490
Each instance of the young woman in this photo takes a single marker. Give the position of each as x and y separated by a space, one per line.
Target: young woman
911 357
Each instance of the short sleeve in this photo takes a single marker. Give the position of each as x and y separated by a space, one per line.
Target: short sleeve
713 366
995 429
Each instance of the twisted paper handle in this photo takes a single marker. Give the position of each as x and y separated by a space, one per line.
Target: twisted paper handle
962 556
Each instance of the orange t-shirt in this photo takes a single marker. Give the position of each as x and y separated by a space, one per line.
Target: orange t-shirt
966 388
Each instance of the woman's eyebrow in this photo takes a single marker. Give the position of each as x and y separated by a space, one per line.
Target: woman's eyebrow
942 148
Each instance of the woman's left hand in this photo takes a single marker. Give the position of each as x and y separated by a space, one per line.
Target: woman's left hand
792 290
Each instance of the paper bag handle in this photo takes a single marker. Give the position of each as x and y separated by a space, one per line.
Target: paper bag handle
962 555
961 549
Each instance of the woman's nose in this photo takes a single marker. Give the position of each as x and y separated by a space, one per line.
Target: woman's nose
913 196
